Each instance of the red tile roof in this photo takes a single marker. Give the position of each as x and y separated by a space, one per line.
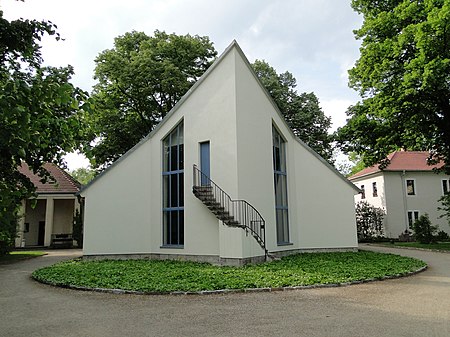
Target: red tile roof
63 183
402 161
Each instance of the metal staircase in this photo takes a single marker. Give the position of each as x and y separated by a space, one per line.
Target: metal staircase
233 213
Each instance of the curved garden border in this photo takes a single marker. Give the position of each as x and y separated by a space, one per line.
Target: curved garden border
233 291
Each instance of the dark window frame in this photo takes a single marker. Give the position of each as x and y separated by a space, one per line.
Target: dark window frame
280 187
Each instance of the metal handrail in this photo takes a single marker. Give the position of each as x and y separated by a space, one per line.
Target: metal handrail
239 211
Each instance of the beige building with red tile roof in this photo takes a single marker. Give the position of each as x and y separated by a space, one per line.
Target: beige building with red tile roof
407 188
49 221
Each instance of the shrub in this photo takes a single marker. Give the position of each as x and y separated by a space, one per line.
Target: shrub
369 221
406 236
442 236
424 231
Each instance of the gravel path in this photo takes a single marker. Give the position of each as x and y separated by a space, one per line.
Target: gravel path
412 306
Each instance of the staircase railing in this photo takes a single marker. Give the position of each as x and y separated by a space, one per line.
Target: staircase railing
234 213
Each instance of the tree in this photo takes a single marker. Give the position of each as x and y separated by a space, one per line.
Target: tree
424 231
139 81
302 112
403 77
369 221
38 120
83 175
445 207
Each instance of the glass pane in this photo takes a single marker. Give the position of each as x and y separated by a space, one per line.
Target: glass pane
181 156
173 190
166 191
181 189
181 227
282 157
166 153
410 187
173 158
166 227
445 186
284 191
173 228
285 226
279 216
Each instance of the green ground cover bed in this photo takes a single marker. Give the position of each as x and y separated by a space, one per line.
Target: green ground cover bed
19 255
170 276
436 246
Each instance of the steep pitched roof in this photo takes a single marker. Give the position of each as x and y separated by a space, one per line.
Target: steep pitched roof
63 184
215 64
402 161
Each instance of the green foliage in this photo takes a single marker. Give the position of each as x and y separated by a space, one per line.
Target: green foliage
403 77
168 276
424 231
38 120
442 236
83 175
139 81
77 229
19 255
445 207
369 221
434 246
302 112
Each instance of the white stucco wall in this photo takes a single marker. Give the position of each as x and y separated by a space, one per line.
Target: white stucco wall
123 207
32 217
428 190
317 217
393 197
63 216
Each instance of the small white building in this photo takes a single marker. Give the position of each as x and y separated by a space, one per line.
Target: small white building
407 188
47 219
220 179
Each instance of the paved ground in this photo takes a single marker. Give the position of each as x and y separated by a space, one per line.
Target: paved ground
413 306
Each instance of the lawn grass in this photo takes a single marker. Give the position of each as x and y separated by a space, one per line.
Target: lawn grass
436 246
19 255
170 276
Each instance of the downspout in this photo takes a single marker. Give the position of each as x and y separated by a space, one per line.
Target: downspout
405 200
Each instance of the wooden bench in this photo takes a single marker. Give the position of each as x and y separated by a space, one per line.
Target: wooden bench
62 241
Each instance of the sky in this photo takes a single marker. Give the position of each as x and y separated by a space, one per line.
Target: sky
312 39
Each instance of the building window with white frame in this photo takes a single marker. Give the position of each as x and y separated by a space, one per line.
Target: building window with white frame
410 187
374 189
363 192
413 216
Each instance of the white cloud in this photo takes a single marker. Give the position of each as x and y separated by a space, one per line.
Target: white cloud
336 109
312 39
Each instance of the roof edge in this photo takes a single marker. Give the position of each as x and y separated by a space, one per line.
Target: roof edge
269 97
168 115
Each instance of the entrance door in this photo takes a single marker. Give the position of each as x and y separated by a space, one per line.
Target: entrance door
204 163
41 233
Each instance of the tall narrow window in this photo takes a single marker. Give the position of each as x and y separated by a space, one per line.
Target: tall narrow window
374 189
413 216
280 181
363 192
445 186
173 188
410 187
